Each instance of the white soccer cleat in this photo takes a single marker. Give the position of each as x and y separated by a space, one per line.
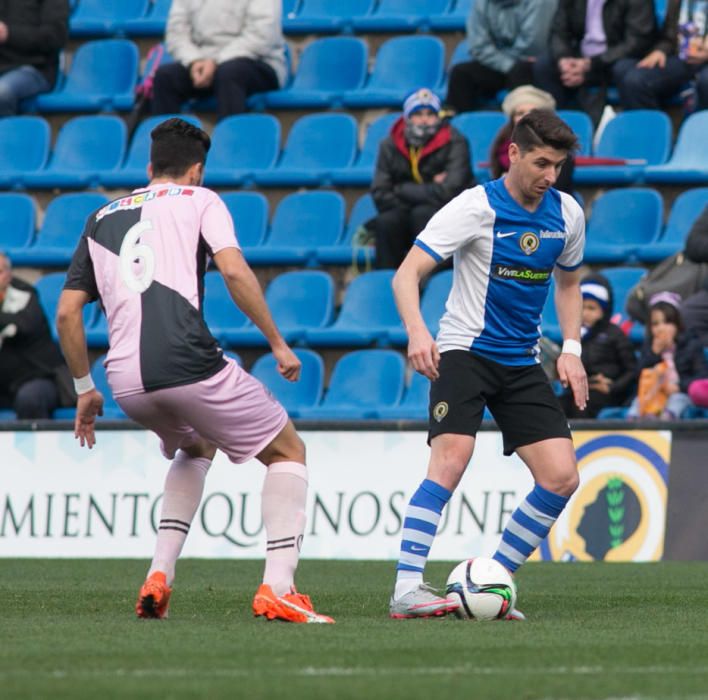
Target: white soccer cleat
422 601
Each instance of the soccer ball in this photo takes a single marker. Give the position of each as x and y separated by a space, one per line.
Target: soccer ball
484 589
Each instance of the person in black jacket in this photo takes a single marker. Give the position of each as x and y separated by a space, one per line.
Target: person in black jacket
589 41
32 33
607 353
680 55
29 359
421 165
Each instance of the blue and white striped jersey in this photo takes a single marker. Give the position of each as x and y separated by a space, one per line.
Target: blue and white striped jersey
503 260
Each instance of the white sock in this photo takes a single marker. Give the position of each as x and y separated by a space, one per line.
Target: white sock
283 508
184 486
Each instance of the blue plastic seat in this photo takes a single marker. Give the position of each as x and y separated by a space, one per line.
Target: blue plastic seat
581 124
298 300
152 23
621 280
85 150
480 129
295 396
401 16
326 17
362 383
361 171
64 222
550 327
414 404
249 210
455 19
316 145
133 171
111 409
104 17
342 253
327 69
622 221
102 77
688 163
302 222
49 288
24 148
368 314
643 135
223 318
17 223
403 64
242 145
685 210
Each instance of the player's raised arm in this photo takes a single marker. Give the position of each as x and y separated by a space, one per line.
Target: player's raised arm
246 292
422 350
569 305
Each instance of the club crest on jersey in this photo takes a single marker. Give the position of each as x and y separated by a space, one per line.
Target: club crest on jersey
440 410
529 242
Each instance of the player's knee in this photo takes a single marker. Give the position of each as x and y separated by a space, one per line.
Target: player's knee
566 483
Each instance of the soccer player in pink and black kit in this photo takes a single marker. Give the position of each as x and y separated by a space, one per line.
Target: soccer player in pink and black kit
144 256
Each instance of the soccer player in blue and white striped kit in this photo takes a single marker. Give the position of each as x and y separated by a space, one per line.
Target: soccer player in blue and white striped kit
507 238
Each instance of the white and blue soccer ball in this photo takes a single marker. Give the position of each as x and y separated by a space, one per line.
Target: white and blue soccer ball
483 589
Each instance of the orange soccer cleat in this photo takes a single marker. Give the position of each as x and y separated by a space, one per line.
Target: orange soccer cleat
291 607
154 597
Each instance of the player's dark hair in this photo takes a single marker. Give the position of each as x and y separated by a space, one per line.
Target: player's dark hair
176 146
543 127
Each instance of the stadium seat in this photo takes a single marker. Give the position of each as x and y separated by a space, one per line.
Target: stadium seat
343 252
49 288
317 144
362 170
328 68
688 163
362 383
133 171
24 148
550 327
152 23
414 404
621 222
302 222
326 17
298 300
249 210
641 135
111 409
304 393
480 129
102 77
685 210
17 222
455 19
581 124
85 150
400 16
223 318
621 280
367 316
242 145
64 222
104 17
402 64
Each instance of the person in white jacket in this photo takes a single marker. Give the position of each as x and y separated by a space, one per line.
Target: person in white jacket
228 48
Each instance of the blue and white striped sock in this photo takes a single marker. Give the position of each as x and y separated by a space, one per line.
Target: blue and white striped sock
528 526
419 527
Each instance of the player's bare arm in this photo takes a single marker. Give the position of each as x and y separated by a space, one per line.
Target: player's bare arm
569 304
70 325
246 292
422 349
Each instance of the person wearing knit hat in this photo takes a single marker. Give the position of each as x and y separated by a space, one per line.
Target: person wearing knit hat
421 165
516 104
504 37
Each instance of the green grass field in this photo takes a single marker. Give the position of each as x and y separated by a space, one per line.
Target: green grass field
67 630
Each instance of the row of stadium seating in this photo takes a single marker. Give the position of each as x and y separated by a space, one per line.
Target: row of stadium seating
309 228
303 305
322 150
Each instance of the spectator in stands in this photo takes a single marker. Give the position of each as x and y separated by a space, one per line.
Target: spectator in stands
30 361
680 55
32 33
694 311
421 165
504 37
589 39
671 362
696 248
518 103
228 48
607 353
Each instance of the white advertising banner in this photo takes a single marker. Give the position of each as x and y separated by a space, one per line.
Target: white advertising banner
58 500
